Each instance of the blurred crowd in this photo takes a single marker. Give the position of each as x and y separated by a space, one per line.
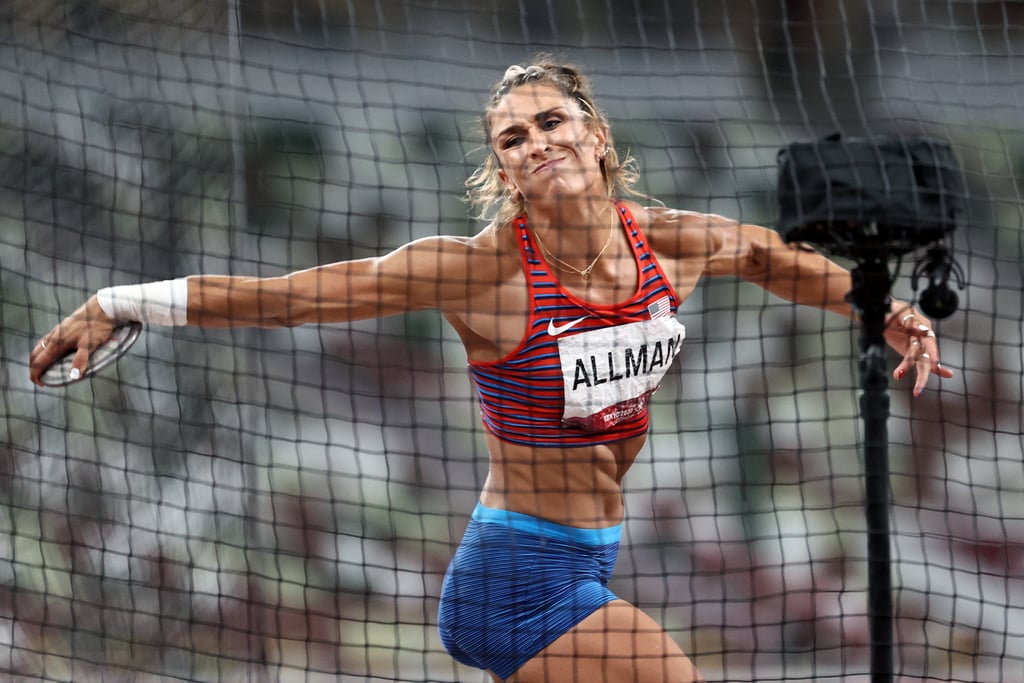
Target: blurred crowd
224 505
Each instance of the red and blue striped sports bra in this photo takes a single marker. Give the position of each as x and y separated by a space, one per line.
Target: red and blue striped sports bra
583 373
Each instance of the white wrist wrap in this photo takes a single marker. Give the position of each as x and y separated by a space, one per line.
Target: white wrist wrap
153 303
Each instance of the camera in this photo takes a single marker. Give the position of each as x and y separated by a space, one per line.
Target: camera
872 199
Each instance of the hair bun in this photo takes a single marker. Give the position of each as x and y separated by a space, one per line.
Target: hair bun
517 74
513 72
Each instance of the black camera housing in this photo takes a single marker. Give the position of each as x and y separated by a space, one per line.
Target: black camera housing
857 197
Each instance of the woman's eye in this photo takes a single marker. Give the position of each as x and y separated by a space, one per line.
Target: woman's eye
551 123
511 142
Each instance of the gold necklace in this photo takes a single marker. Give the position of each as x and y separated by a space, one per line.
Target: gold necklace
568 267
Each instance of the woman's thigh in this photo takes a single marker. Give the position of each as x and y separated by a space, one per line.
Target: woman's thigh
616 644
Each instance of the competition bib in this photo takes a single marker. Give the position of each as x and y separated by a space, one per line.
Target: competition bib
609 374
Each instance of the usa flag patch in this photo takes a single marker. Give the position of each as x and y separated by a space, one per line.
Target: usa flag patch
660 308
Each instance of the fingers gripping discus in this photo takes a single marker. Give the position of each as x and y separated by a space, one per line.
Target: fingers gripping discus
120 341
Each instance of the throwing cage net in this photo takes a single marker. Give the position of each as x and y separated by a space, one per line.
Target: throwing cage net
281 505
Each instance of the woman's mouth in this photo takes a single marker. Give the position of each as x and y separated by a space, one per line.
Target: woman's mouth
547 166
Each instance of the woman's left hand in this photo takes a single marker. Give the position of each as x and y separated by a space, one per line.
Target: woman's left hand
912 335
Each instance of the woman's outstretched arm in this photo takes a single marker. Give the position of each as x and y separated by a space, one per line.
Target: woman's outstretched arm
794 273
428 273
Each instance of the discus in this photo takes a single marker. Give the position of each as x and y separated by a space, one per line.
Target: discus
121 340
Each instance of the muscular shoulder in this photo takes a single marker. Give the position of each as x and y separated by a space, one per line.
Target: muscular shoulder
451 270
491 254
679 234
451 255
714 244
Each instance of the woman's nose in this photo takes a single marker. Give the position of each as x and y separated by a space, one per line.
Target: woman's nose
536 140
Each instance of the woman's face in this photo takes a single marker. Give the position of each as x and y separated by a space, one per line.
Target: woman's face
544 146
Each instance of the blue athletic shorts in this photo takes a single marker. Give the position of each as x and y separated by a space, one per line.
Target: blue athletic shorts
517 583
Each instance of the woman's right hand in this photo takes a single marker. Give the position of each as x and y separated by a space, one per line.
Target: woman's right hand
81 332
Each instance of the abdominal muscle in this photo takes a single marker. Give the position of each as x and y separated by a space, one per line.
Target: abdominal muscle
580 487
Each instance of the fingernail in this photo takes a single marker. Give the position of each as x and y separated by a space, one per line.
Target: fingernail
900 373
75 373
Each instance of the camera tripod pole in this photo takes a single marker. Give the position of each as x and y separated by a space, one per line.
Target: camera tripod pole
871 200
870 296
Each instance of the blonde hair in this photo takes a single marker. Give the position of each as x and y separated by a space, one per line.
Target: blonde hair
485 191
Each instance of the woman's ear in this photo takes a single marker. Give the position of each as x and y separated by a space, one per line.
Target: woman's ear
601 134
509 185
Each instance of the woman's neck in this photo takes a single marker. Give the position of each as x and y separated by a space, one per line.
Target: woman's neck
571 225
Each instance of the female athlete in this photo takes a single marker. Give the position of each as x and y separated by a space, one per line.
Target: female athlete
566 304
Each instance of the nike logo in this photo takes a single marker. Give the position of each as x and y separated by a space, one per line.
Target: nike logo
555 330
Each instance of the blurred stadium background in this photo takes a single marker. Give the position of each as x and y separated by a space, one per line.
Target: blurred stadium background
281 505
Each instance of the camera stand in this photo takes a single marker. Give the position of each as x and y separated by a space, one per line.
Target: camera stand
870 297
872 200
